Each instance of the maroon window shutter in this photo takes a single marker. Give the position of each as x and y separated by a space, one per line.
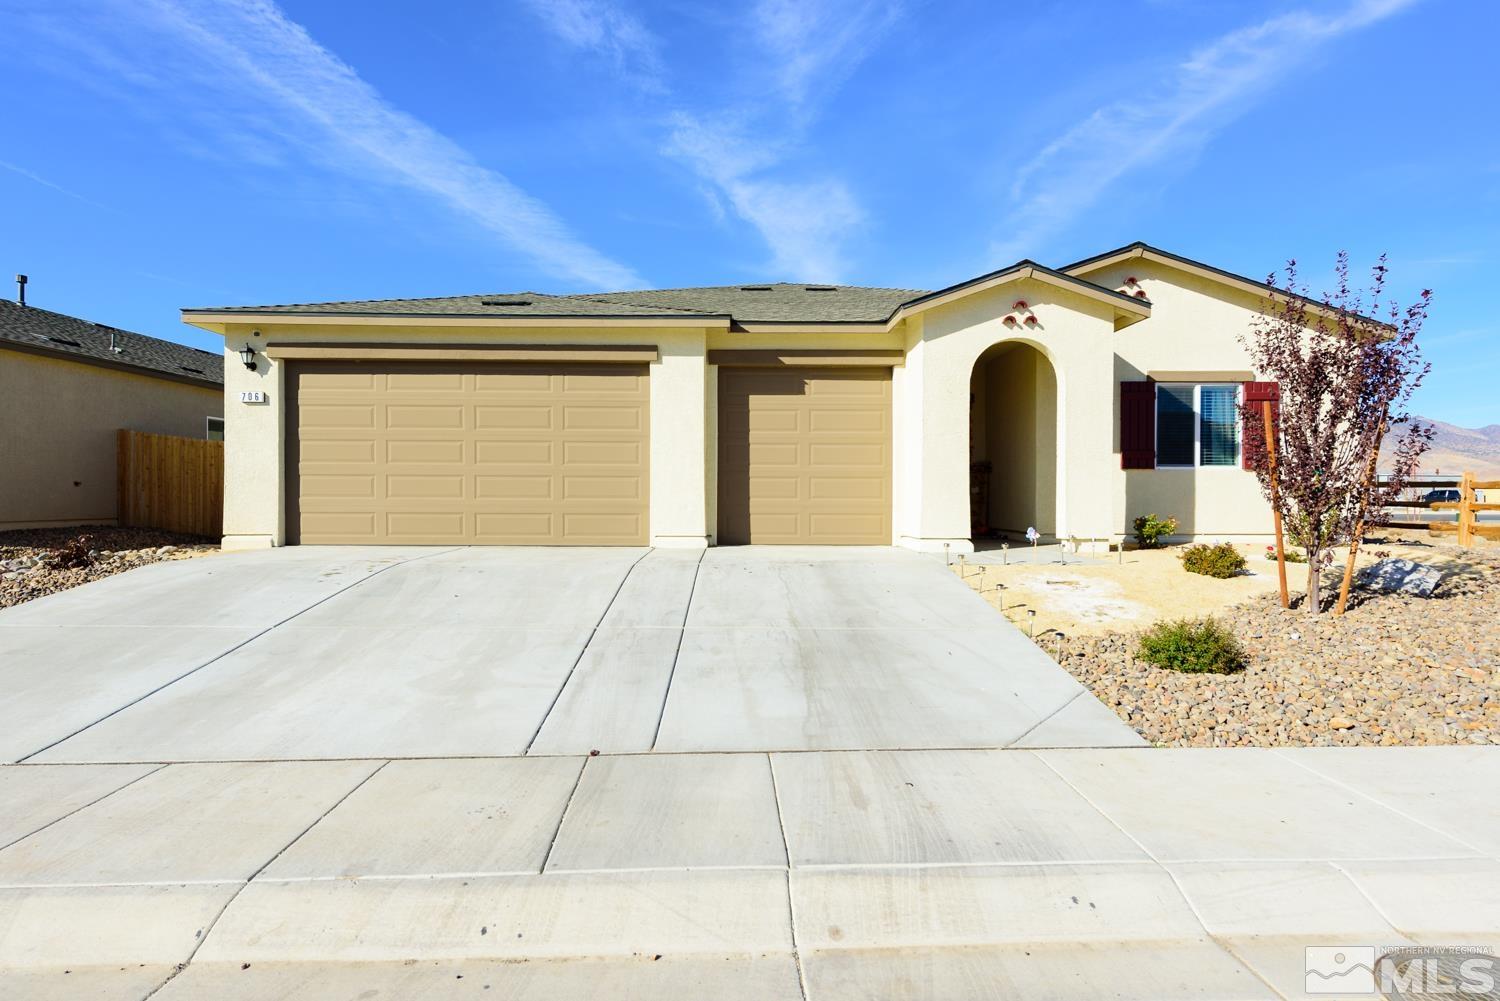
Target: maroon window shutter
1138 425
1253 441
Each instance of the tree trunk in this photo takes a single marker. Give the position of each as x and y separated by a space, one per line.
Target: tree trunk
1359 521
1314 592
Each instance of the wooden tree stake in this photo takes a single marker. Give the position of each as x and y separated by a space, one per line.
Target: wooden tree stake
1270 437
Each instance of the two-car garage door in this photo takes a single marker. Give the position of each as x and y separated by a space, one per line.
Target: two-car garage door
472 452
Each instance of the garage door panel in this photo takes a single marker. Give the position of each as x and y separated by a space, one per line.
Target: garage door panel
597 487
337 450
622 418
536 380
426 453
538 487
835 488
424 382
805 456
511 453
405 487
603 453
409 526
338 381
603 529
327 417
406 417
534 417
855 421
332 485
342 527
517 528
478 452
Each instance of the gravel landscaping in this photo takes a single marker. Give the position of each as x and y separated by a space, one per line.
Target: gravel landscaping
29 564
1394 670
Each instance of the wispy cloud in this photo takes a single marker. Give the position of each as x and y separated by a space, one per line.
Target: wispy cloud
243 67
1184 110
803 222
800 52
608 30
811 46
39 179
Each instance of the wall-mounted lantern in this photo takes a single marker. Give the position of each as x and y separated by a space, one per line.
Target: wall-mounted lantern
247 355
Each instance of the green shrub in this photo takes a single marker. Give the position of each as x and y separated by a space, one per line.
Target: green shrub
1193 646
1293 555
1221 561
1150 530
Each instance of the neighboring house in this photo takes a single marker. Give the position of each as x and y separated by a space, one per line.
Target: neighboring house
783 413
66 386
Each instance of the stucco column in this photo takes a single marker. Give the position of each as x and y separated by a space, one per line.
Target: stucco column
936 455
679 441
254 464
1086 444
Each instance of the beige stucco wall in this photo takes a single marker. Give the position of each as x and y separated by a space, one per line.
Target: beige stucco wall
1192 335
57 443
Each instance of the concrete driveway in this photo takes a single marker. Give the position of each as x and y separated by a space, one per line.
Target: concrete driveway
391 653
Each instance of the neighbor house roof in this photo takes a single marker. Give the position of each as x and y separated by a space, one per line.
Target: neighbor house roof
41 331
747 307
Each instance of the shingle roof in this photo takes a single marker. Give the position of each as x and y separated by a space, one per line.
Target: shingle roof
60 334
787 302
781 302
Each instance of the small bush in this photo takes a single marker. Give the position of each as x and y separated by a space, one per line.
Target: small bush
1192 646
1150 530
1293 555
1221 561
73 553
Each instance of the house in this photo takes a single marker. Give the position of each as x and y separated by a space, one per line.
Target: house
66 386
1069 399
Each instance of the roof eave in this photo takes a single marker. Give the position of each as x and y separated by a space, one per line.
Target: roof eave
1228 278
218 321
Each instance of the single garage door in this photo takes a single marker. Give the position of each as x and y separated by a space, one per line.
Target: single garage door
468 452
805 456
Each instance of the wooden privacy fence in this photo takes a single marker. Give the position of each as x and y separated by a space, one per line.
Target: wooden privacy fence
170 483
1468 509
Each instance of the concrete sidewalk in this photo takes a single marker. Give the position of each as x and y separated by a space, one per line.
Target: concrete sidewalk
942 874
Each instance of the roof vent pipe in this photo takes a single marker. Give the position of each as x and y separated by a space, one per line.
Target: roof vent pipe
21 289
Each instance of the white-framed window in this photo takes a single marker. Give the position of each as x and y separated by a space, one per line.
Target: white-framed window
1197 424
214 429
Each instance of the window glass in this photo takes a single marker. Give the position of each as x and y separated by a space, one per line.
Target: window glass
1218 430
215 429
1174 425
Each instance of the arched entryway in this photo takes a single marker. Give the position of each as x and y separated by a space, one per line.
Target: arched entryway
1013 444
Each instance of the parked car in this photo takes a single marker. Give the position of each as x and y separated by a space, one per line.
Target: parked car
1444 496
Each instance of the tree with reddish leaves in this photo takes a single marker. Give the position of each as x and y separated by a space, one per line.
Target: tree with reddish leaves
1346 375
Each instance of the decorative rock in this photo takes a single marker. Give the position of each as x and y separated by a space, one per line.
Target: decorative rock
1396 669
1404 576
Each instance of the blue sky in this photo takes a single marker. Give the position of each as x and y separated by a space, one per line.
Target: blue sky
164 153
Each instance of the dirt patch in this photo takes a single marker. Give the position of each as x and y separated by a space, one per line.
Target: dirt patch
30 566
1150 584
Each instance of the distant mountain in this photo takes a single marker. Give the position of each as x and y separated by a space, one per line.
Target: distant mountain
1455 450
